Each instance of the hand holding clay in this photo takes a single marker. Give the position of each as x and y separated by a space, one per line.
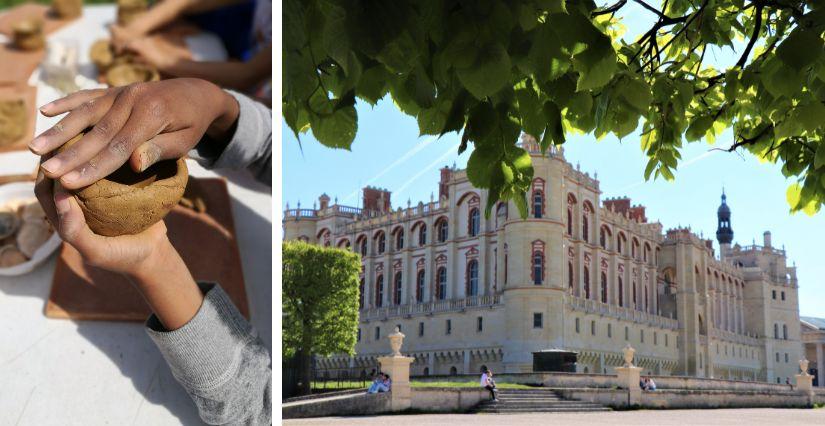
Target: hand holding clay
141 123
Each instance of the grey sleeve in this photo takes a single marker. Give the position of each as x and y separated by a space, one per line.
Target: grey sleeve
220 361
250 147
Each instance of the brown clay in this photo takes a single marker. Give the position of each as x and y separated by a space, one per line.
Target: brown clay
32 235
27 34
13 120
126 202
11 256
126 74
67 9
102 54
128 10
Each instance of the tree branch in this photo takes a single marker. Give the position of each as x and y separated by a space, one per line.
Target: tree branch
757 28
612 9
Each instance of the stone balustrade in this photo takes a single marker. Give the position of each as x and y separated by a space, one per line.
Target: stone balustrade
730 336
449 305
595 307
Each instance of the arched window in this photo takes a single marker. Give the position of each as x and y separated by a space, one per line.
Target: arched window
399 239
585 235
604 287
379 291
441 284
453 371
785 331
422 235
645 252
569 221
474 222
442 229
382 243
363 247
426 371
570 277
501 214
538 204
586 282
361 294
419 286
472 278
647 300
603 238
634 249
635 302
396 295
621 292
620 243
538 268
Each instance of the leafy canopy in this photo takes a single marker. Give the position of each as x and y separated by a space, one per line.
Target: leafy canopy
320 299
491 69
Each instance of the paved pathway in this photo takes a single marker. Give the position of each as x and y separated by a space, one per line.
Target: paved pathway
750 417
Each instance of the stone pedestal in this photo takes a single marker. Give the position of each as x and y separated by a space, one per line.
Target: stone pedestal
629 379
398 367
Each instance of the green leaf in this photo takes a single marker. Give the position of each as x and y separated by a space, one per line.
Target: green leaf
489 74
819 158
810 115
699 127
793 196
596 65
431 121
336 129
801 48
480 166
547 61
635 92
372 86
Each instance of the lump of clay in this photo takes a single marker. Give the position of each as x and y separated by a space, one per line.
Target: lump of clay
67 9
13 120
11 256
33 212
102 54
126 74
128 10
27 34
126 202
31 236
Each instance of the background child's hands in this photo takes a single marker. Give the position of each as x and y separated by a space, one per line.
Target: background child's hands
140 123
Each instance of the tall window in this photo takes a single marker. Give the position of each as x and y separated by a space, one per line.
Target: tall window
382 241
419 286
472 278
604 287
570 277
635 303
620 243
586 282
776 331
538 268
441 284
621 292
361 294
569 221
396 294
603 238
442 231
422 235
647 300
475 222
585 230
785 331
399 239
538 203
379 291
538 320
364 247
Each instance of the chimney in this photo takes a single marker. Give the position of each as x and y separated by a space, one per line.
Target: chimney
323 202
376 200
444 184
637 213
767 239
618 205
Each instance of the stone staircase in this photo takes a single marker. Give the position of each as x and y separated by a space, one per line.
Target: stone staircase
534 401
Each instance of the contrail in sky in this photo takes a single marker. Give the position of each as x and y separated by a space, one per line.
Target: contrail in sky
450 151
681 166
409 154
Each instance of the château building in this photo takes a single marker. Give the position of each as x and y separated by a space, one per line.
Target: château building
581 273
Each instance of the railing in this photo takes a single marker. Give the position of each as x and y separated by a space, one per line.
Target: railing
301 213
450 305
620 312
754 247
733 337
346 209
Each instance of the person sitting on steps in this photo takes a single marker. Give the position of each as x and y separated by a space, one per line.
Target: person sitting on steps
488 383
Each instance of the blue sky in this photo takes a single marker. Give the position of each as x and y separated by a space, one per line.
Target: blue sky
387 152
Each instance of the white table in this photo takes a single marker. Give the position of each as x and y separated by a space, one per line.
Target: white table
60 372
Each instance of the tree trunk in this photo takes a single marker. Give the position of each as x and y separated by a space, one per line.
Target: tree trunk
305 355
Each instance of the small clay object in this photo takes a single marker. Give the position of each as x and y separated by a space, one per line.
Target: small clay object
127 202
67 9
102 55
33 212
27 34
31 236
128 10
126 74
11 256
13 120
8 224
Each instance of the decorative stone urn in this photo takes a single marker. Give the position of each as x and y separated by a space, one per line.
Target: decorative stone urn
803 366
628 355
396 340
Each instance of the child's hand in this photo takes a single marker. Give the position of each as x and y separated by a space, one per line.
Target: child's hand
141 123
159 52
122 36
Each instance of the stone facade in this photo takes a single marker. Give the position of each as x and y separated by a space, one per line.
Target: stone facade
580 273
813 338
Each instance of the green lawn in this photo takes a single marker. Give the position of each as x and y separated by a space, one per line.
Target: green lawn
416 384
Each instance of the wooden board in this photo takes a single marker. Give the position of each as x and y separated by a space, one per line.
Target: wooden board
18 65
30 10
29 95
205 241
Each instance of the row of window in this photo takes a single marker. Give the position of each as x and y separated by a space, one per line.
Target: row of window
472 285
784 331
448 328
442 234
626 332
571 280
773 295
741 353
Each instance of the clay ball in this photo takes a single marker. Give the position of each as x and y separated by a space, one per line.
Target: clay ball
101 54
126 202
11 256
28 34
67 9
126 74
13 120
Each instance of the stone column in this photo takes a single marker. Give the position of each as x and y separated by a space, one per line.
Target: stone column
628 377
820 365
398 367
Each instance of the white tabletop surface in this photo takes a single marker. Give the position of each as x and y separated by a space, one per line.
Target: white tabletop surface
60 372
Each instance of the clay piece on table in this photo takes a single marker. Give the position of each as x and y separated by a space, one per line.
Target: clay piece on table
126 74
27 34
67 9
32 235
13 120
102 55
8 224
128 10
127 202
11 256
